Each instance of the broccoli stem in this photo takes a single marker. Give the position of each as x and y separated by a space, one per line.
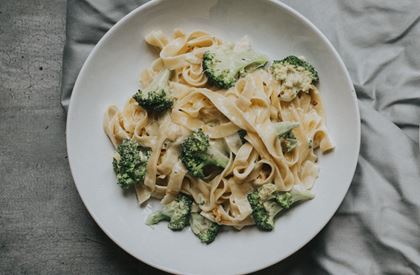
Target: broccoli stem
296 194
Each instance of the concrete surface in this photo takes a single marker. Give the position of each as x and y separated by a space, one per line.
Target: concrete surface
44 226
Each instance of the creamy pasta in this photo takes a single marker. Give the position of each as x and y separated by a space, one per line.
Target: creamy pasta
256 103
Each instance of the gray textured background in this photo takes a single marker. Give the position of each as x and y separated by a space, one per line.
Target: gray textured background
44 226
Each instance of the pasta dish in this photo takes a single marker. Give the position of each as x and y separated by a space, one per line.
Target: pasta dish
219 133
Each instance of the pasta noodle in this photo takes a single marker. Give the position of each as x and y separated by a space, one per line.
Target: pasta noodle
255 104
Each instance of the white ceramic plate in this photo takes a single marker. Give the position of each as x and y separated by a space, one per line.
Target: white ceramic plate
110 76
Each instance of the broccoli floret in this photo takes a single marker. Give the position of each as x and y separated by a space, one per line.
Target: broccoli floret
203 228
130 163
223 66
260 215
197 153
293 62
263 217
287 138
266 203
156 97
176 212
294 76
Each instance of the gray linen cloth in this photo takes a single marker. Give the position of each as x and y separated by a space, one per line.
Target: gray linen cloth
377 228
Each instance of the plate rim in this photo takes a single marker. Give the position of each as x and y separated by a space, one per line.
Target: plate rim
294 13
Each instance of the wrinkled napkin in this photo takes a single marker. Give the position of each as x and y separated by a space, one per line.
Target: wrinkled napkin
377 228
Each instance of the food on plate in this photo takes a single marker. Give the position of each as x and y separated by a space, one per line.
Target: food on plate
220 134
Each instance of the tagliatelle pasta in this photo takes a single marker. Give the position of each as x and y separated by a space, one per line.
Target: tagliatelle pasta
255 104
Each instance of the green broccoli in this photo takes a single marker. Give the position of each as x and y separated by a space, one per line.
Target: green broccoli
263 217
287 138
266 203
287 199
223 66
197 153
130 163
176 212
203 228
296 64
294 76
156 97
